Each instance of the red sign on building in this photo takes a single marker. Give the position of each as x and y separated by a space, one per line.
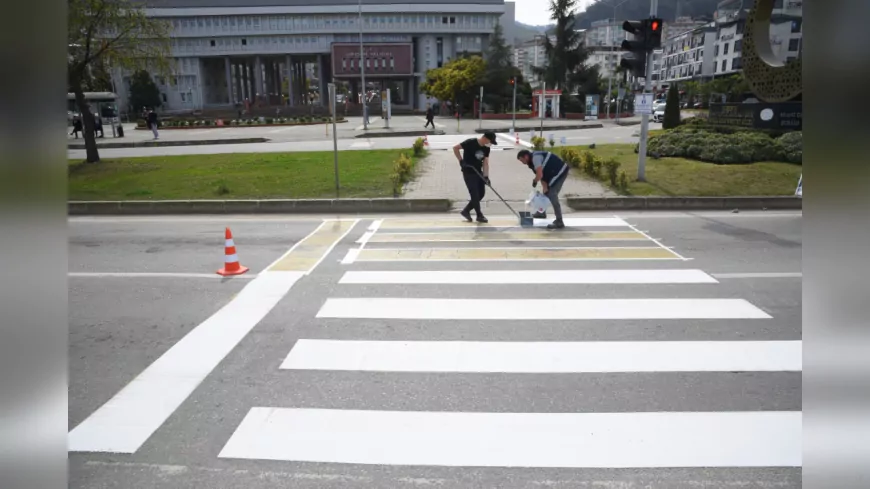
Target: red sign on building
382 60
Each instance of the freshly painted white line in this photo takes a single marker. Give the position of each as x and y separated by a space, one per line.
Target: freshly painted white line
513 140
375 225
588 222
760 275
539 309
157 275
323 222
653 276
546 357
129 418
571 440
365 237
351 256
361 144
655 241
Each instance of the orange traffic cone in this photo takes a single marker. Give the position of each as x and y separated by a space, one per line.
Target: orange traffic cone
518 139
231 260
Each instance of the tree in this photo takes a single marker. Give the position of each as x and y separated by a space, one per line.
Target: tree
566 57
672 108
497 91
114 33
143 92
455 80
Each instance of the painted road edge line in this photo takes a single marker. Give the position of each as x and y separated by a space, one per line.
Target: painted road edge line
351 256
551 440
494 277
760 275
647 236
545 356
157 275
538 309
129 418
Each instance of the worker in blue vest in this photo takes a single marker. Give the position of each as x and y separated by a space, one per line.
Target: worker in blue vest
552 172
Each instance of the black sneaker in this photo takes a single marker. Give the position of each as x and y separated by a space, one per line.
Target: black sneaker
540 215
482 219
466 216
556 225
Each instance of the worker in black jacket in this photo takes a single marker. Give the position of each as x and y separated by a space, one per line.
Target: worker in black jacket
552 172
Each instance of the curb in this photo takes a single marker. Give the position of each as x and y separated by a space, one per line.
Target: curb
686 203
367 135
276 206
546 128
243 126
154 144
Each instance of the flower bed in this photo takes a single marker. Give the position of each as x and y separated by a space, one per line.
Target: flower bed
220 123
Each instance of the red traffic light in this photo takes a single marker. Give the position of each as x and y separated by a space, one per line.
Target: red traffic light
655 25
512 81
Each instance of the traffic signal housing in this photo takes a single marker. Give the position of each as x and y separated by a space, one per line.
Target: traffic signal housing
654 27
635 61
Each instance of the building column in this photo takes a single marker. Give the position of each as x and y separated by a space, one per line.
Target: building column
321 81
290 81
258 77
229 76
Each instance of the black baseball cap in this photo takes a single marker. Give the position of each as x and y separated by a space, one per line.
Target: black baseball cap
491 136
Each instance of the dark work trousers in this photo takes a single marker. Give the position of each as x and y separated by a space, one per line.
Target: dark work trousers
430 121
553 195
476 190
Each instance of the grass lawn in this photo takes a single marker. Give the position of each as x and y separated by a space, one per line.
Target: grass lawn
235 176
683 177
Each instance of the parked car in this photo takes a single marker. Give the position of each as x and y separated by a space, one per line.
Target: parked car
659 114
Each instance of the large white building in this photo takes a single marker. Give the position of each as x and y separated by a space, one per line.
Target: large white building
283 52
530 54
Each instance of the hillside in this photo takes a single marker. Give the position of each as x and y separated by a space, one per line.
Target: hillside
526 32
638 9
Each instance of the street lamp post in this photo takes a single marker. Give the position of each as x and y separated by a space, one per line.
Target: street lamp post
362 68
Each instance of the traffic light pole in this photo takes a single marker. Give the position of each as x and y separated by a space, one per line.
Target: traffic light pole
644 118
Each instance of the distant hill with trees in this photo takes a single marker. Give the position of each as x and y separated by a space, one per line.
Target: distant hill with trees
638 9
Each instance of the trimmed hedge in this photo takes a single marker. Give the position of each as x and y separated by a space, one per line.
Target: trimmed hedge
689 141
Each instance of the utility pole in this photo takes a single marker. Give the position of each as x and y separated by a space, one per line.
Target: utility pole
514 118
362 68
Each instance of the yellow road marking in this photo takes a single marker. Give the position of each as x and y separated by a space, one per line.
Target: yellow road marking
524 235
307 253
516 254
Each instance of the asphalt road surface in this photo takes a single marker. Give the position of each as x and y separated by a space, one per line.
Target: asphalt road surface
655 350
320 142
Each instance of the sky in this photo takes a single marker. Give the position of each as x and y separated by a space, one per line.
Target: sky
537 12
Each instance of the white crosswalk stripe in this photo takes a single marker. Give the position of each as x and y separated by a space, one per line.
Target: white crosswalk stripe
636 301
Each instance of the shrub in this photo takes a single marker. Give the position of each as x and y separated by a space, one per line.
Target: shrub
269 120
700 144
612 167
571 157
596 166
538 143
222 189
623 181
791 146
402 168
552 143
418 147
672 108
234 122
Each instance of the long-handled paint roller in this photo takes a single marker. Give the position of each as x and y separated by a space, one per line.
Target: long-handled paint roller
524 217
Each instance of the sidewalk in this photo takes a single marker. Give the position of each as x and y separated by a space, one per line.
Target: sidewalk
438 176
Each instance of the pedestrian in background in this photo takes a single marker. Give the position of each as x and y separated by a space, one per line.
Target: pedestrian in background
152 123
430 117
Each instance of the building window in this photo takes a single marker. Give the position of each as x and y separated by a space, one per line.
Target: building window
738 45
716 50
723 64
737 63
725 49
182 97
163 96
244 42
452 20
211 42
796 26
793 44
443 20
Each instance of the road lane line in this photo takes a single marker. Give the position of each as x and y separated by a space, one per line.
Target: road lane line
306 254
157 275
570 440
760 275
619 253
656 241
570 222
128 419
538 309
545 357
525 234
492 277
